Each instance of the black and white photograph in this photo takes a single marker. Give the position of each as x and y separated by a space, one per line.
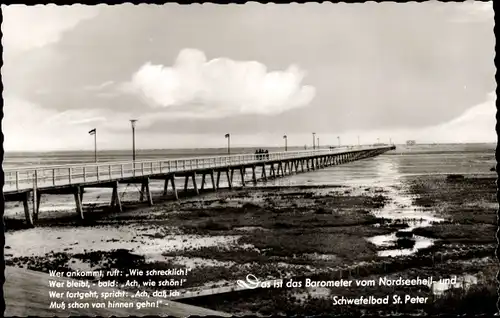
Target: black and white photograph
249 159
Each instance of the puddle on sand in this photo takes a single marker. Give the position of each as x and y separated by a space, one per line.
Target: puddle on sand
391 240
321 257
399 209
40 241
192 262
463 282
251 229
77 264
313 292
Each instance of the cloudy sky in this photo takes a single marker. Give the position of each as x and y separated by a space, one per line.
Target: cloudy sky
192 73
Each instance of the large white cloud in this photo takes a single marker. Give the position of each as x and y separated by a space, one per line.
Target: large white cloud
195 87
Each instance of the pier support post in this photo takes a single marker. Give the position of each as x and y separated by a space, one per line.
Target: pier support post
213 180
115 198
142 192
271 171
242 173
254 177
149 197
78 202
186 184
35 201
264 176
229 180
203 181
218 179
165 186
36 209
195 186
27 213
302 165
172 180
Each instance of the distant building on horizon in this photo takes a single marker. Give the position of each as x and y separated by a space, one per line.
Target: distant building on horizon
410 142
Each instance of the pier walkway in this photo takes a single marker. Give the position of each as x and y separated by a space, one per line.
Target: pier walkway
28 184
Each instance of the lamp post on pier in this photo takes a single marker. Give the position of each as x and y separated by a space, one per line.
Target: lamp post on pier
132 122
317 139
228 136
94 132
286 142
338 138
314 141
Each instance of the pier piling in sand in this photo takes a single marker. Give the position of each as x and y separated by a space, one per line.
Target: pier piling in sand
212 172
78 203
195 186
229 179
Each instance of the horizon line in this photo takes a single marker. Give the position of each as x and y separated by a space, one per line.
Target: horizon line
234 147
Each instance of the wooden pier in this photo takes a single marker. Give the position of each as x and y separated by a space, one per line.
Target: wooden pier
27 185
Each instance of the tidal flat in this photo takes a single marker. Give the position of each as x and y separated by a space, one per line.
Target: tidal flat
316 232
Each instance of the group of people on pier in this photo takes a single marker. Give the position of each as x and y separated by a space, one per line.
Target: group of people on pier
261 154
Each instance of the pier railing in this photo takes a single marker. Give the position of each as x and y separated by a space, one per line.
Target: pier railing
18 179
